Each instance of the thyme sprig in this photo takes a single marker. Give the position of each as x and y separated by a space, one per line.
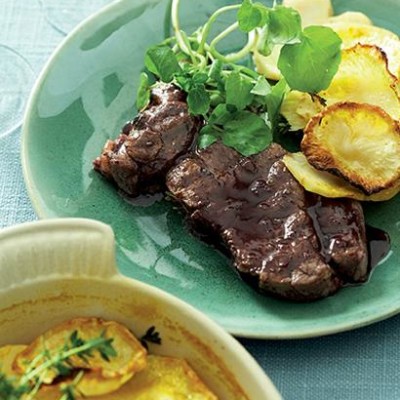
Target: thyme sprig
58 361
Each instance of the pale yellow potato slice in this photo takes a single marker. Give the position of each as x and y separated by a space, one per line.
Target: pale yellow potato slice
359 142
7 356
349 18
329 185
164 378
314 12
351 83
363 77
354 32
100 376
299 107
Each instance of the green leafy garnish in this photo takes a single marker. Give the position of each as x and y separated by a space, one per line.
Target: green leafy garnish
162 61
240 107
238 90
143 93
198 100
247 133
310 65
59 361
284 25
251 16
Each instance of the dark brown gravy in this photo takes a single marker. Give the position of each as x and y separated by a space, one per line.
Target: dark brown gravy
378 242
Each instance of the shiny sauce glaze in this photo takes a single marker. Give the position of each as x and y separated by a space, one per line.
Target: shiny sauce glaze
246 203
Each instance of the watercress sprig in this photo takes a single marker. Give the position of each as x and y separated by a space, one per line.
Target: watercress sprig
240 107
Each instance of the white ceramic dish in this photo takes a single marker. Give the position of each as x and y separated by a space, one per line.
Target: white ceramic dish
58 269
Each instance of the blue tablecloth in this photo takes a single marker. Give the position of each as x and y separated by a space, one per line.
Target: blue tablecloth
358 365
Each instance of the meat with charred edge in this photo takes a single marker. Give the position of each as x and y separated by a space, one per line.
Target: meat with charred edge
138 160
283 240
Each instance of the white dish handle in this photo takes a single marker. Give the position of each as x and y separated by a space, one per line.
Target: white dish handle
62 247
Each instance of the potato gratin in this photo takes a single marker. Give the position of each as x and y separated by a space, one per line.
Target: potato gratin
92 358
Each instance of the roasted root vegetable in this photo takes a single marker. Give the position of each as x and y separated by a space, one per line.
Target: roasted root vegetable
314 12
351 83
164 378
358 142
299 107
7 356
349 18
97 359
329 185
363 77
355 31
101 375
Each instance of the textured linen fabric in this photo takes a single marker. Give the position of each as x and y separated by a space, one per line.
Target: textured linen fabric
358 365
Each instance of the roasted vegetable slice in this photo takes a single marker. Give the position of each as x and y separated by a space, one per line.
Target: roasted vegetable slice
164 378
359 142
352 33
299 107
329 185
101 375
350 19
7 356
314 12
363 77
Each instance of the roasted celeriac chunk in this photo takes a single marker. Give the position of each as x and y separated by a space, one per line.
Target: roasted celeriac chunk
329 185
299 107
348 18
353 83
101 376
359 142
314 12
354 32
363 77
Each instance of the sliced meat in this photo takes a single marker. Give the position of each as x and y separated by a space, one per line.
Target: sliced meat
283 240
138 160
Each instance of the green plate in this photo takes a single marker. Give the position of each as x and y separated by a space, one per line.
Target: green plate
83 97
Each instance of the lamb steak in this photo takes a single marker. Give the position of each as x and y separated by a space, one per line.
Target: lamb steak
138 160
284 241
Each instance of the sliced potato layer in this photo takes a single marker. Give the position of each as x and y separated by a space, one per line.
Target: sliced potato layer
7 356
349 19
314 12
329 185
100 376
353 32
164 378
359 142
299 107
363 77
